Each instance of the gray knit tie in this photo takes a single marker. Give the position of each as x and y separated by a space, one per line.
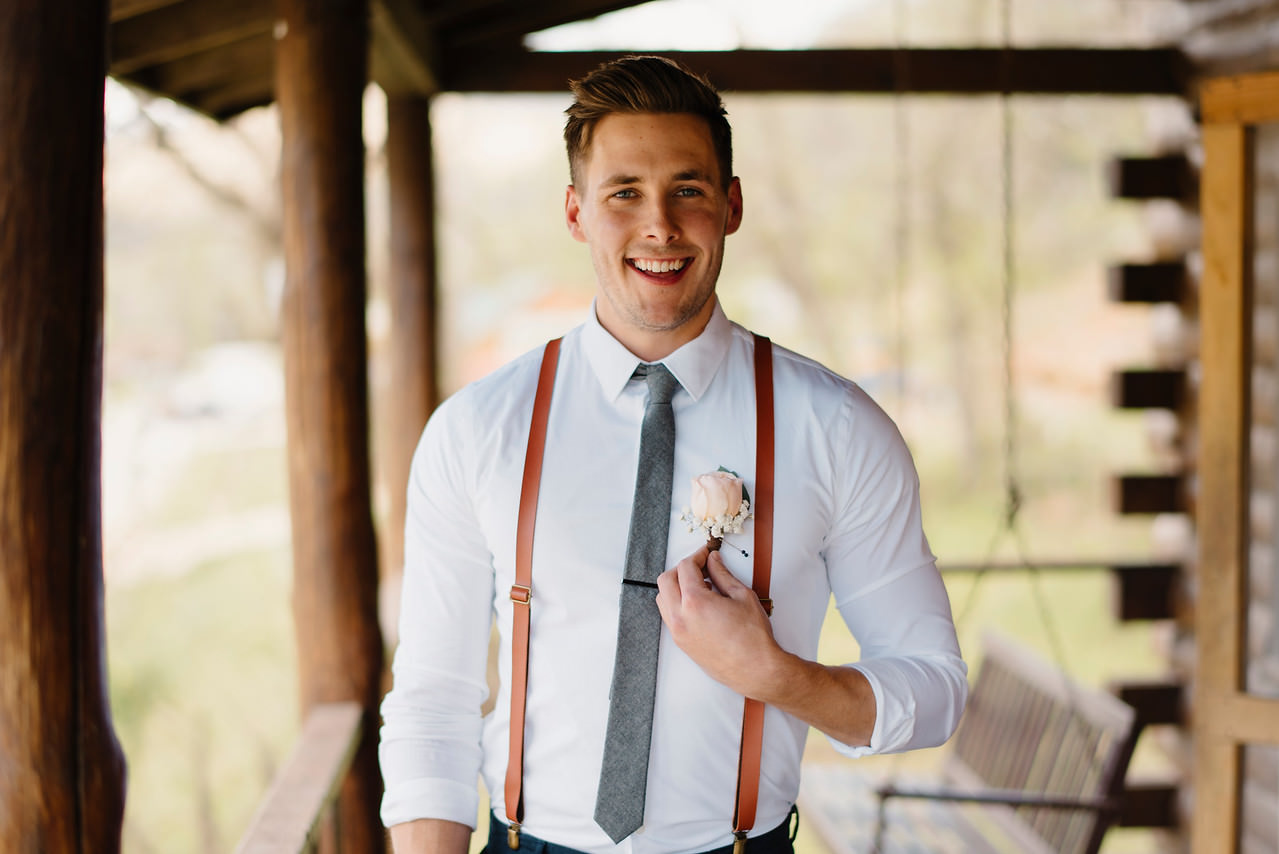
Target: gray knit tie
619 805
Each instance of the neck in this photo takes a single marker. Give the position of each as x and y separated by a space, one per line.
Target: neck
653 345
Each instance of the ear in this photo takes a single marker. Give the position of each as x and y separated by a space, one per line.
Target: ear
573 214
734 206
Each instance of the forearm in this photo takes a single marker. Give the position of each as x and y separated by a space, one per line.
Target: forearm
838 701
430 836
723 628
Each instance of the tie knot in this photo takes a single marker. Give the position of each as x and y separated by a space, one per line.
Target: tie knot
661 382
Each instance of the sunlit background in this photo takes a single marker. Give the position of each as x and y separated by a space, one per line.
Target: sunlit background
873 240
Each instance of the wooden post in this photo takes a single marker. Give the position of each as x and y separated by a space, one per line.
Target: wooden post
1225 319
321 60
414 344
61 769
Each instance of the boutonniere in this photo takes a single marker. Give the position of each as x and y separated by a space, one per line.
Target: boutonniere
718 504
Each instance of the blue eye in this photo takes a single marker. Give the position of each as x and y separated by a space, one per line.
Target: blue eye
688 191
625 194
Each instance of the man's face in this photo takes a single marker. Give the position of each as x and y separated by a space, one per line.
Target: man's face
651 205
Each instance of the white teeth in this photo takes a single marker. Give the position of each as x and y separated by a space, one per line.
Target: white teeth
656 266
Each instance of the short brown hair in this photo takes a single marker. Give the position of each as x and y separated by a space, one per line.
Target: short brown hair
644 84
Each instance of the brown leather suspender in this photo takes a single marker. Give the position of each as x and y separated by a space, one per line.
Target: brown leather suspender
522 590
753 711
748 769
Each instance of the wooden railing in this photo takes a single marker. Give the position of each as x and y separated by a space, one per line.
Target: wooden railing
289 819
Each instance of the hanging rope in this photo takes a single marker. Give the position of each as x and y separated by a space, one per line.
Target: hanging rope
901 231
1013 496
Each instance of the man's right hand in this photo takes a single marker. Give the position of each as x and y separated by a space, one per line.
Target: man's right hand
430 836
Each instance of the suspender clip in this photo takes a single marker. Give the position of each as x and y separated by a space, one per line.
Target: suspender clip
513 836
768 605
739 842
521 594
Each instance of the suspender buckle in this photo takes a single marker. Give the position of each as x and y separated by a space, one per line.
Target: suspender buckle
768 605
521 594
739 842
513 836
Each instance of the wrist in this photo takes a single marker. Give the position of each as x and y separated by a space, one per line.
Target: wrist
775 675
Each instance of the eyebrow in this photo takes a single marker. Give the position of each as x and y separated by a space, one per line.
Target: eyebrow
693 175
686 175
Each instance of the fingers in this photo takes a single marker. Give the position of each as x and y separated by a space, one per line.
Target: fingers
689 570
669 594
674 583
725 581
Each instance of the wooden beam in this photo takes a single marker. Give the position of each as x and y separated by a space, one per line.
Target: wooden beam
1245 99
1161 281
61 768
1155 702
1148 389
1144 592
1149 803
1169 176
170 32
232 99
402 58
951 71
1225 356
414 345
320 77
122 9
230 64
1240 717
1149 493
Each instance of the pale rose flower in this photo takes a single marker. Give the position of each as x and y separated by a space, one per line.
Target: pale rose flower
715 495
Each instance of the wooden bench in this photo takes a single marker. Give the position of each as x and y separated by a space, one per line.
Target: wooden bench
1037 765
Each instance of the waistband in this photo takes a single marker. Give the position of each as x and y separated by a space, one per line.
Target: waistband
779 840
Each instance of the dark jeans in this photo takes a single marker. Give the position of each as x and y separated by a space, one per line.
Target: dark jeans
779 840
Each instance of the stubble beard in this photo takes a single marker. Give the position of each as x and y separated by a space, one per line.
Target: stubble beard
685 312
640 317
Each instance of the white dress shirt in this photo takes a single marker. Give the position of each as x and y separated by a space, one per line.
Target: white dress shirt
847 522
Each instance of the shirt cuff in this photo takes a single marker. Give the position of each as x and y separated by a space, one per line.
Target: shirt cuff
431 798
894 718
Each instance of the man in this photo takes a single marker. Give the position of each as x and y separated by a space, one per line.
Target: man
653 198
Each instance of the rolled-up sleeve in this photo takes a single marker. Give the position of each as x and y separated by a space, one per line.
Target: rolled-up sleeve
889 592
430 749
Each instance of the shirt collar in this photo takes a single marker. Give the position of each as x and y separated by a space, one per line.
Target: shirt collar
694 364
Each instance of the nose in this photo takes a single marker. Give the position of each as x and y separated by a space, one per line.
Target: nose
660 223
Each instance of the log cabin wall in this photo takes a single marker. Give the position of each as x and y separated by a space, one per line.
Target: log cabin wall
1229 37
1259 826
1260 820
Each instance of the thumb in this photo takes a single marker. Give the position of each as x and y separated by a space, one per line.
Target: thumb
724 580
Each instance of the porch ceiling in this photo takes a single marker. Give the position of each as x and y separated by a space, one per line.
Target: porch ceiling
217 56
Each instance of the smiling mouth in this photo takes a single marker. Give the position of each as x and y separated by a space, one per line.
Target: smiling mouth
659 266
